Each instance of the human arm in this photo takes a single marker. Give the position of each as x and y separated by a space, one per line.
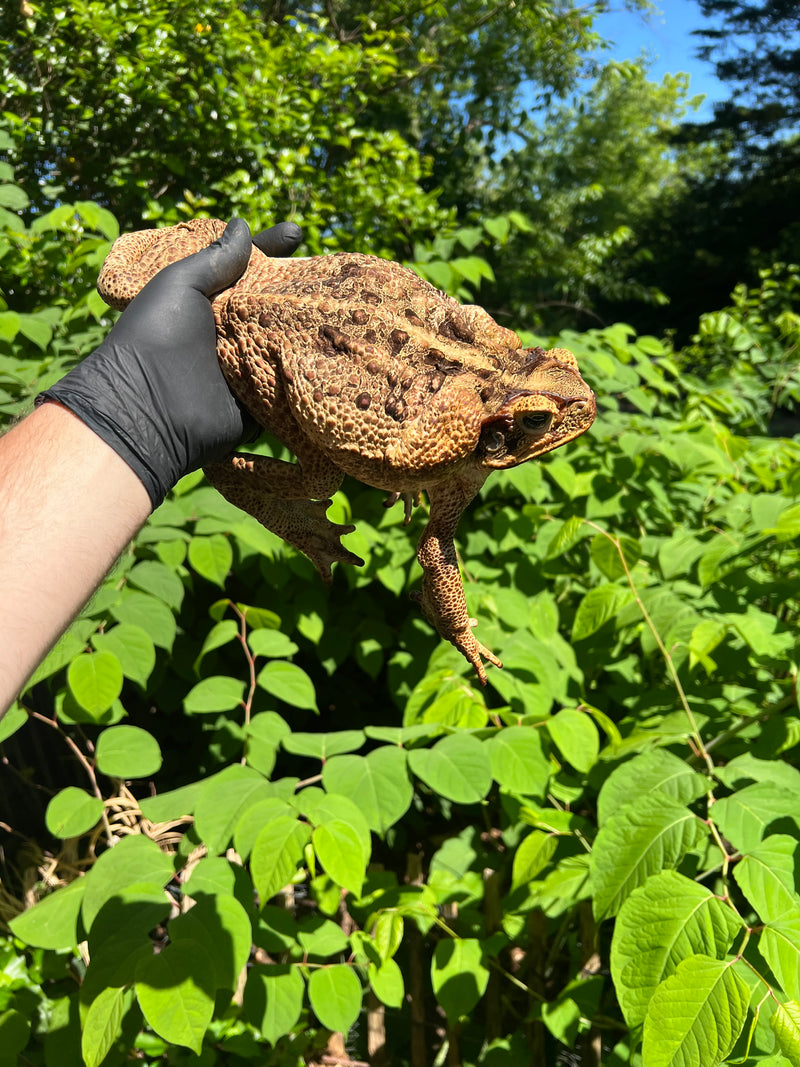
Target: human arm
80 475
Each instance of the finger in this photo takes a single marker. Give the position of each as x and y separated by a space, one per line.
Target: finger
280 240
219 265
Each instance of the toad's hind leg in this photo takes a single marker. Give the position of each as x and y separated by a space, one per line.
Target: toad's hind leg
278 495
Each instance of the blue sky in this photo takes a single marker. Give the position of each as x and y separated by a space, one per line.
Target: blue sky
666 37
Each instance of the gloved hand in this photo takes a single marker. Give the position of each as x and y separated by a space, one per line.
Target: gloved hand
153 390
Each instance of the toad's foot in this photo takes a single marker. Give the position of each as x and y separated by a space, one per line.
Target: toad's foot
410 501
301 523
462 637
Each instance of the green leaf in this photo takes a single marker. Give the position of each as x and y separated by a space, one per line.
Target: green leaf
456 767
273 999
211 557
53 922
744 816
161 581
335 995
176 994
387 984
458 976
95 681
15 1031
13 720
665 921
223 798
766 876
133 648
149 614
215 694
658 769
271 643
127 752
598 607
388 933
779 944
220 924
323 746
517 761
640 840
576 737
339 850
132 860
695 1015
289 683
321 937
531 857
276 853
377 783
785 1023
102 1024
320 808
72 812
606 558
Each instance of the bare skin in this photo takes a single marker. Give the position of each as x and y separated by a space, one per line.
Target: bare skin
68 508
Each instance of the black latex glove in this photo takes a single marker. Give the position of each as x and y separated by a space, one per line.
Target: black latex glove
153 390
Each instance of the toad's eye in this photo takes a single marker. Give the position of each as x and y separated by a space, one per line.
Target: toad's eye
537 421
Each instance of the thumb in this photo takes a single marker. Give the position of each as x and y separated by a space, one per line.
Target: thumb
217 267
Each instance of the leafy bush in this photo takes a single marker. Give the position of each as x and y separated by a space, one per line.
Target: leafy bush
282 820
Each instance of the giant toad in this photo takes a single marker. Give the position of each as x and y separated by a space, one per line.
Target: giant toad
359 367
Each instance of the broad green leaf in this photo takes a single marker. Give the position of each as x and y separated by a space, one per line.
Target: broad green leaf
665 921
335 995
517 760
102 1024
533 854
766 876
273 999
95 681
320 808
13 720
695 1015
252 817
215 694
321 937
606 557
377 783
276 853
658 769
220 924
785 1023
53 921
150 614
211 557
388 933
644 838
597 607
779 944
176 994
221 801
156 578
72 812
221 633
133 648
15 1030
323 746
289 683
576 737
745 816
387 984
457 767
339 850
458 975
127 752
271 643
132 860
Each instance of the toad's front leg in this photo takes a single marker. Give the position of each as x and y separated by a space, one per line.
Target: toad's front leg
442 596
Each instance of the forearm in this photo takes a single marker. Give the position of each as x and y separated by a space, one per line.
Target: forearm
68 507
